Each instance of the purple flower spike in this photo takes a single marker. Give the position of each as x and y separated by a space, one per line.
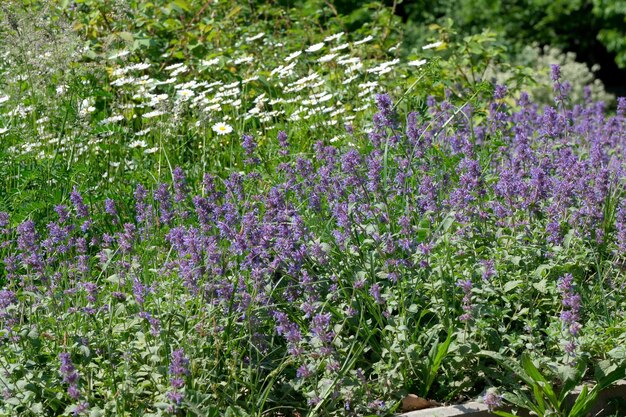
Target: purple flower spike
81 209
179 368
570 315
555 72
69 374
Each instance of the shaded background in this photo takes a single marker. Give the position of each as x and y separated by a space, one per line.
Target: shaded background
595 30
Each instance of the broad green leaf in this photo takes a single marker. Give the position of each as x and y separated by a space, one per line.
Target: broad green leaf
584 402
511 285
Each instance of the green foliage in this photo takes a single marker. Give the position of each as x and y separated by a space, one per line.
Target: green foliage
545 398
564 24
105 95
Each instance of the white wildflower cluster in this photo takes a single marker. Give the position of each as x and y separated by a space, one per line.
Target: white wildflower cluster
215 93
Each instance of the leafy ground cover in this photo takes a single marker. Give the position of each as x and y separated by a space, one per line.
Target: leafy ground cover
280 227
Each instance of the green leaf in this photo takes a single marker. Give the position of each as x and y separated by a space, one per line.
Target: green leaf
571 377
503 414
182 4
437 353
511 285
126 36
235 411
531 369
541 286
96 412
538 394
539 379
584 402
509 364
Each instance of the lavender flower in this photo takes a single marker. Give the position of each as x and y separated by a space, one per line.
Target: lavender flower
570 315
109 208
179 368
62 212
163 197
142 209
555 72
249 144
466 286
492 399
81 209
180 185
282 141
70 375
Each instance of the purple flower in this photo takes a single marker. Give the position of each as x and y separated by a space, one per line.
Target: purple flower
27 243
81 408
282 141
570 315
180 185
555 72
179 364
142 209
179 368
466 286
489 269
126 239
249 144
62 212
69 374
155 323
375 293
500 92
81 209
304 371
109 208
492 399
163 197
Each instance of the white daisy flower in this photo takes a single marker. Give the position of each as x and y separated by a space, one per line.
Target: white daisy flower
138 144
222 128
248 80
255 37
3 99
151 150
168 81
369 84
119 54
340 47
316 47
349 79
326 58
416 63
243 60
349 61
179 71
433 45
293 56
111 119
140 66
210 62
334 37
154 113
364 40
174 66
185 94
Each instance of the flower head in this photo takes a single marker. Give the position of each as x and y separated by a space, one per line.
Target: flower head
222 128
